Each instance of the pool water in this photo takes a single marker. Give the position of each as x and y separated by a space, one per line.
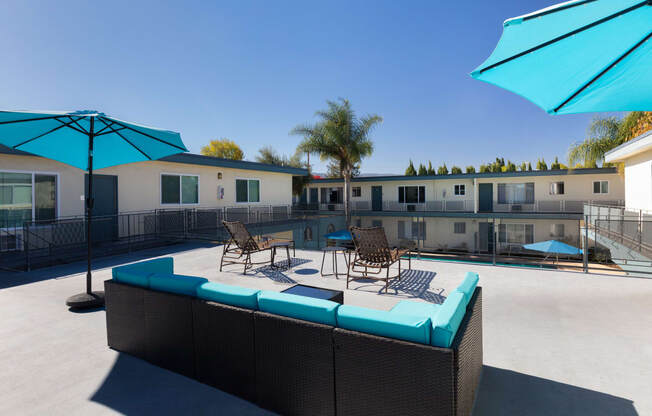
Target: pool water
433 258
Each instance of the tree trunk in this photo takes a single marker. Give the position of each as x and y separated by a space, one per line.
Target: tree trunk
347 198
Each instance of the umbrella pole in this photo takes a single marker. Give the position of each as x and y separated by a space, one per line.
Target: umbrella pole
89 299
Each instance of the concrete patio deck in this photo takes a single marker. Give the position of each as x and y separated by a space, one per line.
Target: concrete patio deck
555 343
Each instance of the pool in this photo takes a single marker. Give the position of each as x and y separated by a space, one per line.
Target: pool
434 258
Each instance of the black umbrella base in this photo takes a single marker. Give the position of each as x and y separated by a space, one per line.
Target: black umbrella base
86 300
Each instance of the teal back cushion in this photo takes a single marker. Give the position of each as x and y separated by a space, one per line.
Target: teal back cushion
176 283
132 277
300 307
468 286
448 319
410 307
229 295
384 323
162 265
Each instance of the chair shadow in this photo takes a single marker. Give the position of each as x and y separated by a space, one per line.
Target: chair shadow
276 273
506 392
135 387
413 284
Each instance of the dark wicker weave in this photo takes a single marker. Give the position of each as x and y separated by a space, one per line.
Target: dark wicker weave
168 327
125 318
383 376
294 366
224 347
372 255
242 245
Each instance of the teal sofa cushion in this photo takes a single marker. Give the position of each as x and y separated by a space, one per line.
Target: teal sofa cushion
300 307
468 286
176 283
229 295
448 319
132 277
409 307
384 323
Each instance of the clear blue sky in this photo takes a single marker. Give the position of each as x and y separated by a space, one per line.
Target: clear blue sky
252 70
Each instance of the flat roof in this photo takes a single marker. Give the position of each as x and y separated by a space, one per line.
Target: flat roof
193 159
555 172
628 149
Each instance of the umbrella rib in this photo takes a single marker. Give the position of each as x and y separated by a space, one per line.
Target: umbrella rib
83 130
558 9
125 139
148 135
566 35
69 126
103 132
27 119
604 71
42 134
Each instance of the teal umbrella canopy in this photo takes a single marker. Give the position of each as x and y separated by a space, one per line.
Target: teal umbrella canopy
553 247
64 137
579 56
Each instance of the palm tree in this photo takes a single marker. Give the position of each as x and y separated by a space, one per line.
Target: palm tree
340 137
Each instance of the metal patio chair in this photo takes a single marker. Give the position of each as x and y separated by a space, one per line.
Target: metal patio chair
372 255
242 245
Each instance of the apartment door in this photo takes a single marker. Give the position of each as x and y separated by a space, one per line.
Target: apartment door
303 199
486 237
314 196
376 198
486 197
105 208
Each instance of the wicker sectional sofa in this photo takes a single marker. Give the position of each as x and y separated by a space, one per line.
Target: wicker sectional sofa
297 355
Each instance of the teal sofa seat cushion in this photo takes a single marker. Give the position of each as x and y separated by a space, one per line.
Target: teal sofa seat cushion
138 273
176 283
468 286
410 307
448 320
384 323
132 277
229 295
300 307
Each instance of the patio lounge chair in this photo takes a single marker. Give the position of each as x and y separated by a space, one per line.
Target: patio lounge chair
372 255
242 245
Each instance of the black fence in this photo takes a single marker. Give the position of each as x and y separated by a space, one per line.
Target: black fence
46 243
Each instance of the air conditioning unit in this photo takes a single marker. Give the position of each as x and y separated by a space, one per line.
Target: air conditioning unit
517 208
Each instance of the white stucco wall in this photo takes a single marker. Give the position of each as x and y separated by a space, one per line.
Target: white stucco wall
638 182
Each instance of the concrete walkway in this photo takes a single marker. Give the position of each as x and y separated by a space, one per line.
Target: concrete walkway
555 343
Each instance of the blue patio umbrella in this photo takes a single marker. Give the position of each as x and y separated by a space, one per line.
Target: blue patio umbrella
579 56
553 247
87 140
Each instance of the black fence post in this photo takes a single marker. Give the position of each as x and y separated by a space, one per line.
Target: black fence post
26 244
585 253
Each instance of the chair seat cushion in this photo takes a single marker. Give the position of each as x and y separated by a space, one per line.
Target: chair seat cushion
448 319
229 295
176 283
384 323
423 309
132 277
300 307
468 286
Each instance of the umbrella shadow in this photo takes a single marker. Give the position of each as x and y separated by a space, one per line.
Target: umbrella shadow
276 272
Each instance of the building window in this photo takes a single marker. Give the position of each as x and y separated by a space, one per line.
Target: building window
247 190
179 189
330 229
516 193
516 233
460 190
219 175
358 222
412 230
411 194
356 192
557 188
459 228
376 223
601 187
332 195
26 197
307 234
557 230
